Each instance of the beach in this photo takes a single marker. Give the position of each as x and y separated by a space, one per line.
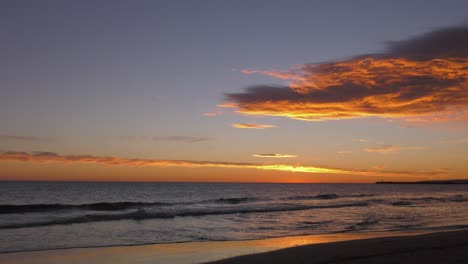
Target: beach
185 132
153 223
443 247
446 247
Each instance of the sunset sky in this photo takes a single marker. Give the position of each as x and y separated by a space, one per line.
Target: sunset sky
234 91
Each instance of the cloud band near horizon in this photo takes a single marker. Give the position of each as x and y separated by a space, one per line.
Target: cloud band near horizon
51 157
274 155
386 149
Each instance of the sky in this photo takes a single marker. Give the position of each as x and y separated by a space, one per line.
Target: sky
233 91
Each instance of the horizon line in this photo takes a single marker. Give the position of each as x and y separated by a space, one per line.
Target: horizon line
242 182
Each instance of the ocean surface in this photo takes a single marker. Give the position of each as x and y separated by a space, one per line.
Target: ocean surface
52 215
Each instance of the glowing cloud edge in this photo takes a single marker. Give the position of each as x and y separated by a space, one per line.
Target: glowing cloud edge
50 157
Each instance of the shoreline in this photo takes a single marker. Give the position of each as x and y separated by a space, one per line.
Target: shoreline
314 237
187 252
439 247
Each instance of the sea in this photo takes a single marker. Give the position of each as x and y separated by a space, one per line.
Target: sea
57 215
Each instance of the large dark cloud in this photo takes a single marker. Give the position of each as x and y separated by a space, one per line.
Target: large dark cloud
443 43
425 77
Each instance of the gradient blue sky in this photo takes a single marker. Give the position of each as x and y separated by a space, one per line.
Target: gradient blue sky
104 77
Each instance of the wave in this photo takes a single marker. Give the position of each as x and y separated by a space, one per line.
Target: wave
362 225
117 206
401 203
455 198
362 195
107 206
126 205
368 222
431 228
234 200
311 225
329 196
142 214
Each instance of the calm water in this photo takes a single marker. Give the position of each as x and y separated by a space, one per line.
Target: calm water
48 215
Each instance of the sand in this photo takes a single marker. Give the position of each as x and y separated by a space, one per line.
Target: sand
444 248
448 247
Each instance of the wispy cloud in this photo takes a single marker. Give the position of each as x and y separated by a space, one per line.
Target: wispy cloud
274 155
48 157
285 75
422 78
385 149
362 140
211 114
227 105
454 141
344 152
251 126
184 139
444 169
23 138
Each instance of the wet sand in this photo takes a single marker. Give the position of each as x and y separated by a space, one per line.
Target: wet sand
357 248
447 248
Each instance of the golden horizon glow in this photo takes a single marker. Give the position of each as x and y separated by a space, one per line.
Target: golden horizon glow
50 157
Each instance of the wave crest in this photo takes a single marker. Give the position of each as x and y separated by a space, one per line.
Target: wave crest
142 214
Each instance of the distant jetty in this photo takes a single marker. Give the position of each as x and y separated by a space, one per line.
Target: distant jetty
426 182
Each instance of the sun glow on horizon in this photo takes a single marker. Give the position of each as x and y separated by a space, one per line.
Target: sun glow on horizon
53 158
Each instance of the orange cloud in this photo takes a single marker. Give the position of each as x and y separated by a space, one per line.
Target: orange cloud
49 157
344 152
274 155
285 75
390 149
251 126
424 79
227 105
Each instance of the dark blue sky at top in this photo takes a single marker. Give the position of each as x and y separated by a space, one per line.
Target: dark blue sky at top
125 68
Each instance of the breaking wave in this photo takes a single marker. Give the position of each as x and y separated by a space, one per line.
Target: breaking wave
142 214
235 200
105 206
29 208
